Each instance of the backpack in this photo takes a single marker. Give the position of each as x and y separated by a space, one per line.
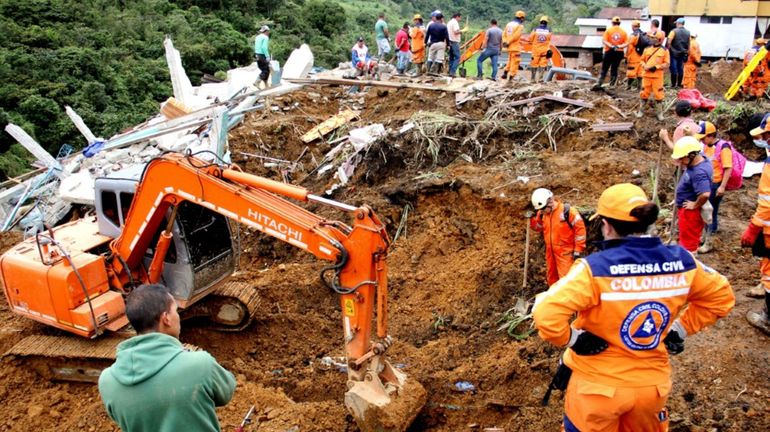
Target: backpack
642 42
739 163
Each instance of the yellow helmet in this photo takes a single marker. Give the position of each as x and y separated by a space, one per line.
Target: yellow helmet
520 14
544 18
417 17
636 23
616 20
685 146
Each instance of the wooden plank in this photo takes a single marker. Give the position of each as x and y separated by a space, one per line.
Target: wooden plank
576 102
373 83
329 125
617 110
612 127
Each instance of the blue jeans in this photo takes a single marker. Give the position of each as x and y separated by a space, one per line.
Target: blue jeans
403 61
489 53
715 201
454 57
677 66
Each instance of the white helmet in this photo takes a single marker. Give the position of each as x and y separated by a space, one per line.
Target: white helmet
540 198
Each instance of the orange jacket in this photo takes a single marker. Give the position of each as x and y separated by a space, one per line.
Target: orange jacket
541 40
762 214
719 165
633 57
657 56
629 294
418 38
559 235
512 36
614 36
694 54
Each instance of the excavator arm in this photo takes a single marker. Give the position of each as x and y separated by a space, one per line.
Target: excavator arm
358 270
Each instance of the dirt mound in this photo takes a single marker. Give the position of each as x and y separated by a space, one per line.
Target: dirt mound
455 188
715 78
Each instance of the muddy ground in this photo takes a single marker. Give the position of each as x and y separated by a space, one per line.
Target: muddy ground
453 271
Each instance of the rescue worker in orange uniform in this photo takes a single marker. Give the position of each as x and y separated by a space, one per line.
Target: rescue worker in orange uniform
757 234
634 53
615 40
692 64
417 34
564 232
756 85
655 60
629 297
512 41
541 41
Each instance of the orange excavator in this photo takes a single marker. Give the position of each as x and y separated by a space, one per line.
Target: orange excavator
473 46
169 223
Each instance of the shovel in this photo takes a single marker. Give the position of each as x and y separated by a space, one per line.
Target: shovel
528 215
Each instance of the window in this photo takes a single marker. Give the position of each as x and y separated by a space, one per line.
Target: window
600 30
716 20
110 207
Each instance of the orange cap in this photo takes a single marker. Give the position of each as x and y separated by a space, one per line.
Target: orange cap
520 14
705 128
617 201
636 23
763 127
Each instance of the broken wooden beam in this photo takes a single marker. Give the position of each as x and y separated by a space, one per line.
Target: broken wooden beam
576 102
611 127
373 83
329 125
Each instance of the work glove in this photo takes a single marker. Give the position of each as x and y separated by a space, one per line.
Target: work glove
749 236
653 68
674 340
698 64
586 343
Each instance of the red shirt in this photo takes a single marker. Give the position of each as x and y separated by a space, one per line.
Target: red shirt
402 40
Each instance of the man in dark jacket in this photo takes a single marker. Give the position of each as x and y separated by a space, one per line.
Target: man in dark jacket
155 384
678 45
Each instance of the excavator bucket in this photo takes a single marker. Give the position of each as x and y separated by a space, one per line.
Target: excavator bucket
386 400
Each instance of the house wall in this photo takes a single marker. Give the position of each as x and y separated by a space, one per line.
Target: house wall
734 8
716 39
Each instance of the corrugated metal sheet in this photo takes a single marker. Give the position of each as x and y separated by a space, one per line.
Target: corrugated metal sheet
622 12
568 41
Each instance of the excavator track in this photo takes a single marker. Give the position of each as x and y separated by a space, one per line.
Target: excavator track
231 307
65 358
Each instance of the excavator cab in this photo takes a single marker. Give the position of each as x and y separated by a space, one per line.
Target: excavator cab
201 254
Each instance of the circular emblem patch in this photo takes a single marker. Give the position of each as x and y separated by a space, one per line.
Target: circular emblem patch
541 38
615 37
642 327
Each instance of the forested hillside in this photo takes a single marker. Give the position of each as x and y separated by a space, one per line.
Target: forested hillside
105 58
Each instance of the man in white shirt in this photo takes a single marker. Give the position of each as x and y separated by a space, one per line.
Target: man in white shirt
455 35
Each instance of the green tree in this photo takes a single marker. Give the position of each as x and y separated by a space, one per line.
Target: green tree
624 3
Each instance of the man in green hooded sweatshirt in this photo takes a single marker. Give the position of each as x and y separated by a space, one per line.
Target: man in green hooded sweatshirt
155 384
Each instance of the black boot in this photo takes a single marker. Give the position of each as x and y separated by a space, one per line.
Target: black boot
673 81
613 80
639 84
599 83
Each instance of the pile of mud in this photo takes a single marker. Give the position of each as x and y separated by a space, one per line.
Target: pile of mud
454 270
